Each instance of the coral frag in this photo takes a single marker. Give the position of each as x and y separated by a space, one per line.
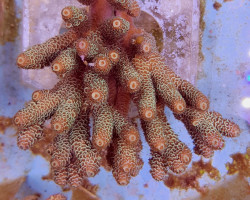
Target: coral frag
104 62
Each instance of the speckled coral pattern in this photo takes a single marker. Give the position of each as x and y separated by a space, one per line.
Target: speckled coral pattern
42 54
62 151
103 62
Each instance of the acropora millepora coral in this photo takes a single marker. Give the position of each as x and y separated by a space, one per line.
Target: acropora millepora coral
104 62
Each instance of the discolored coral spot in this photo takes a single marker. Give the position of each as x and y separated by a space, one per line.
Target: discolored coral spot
147 114
117 24
123 182
36 96
160 146
185 155
99 142
55 164
82 45
131 135
126 167
57 67
235 130
57 197
23 145
57 126
134 85
67 13
139 40
134 9
114 56
203 106
90 173
146 48
178 167
22 60
50 149
81 17
179 106
70 101
73 114
217 143
19 120
68 25
96 95
195 122
102 65
132 138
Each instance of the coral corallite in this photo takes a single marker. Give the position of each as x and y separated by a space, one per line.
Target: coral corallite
104 62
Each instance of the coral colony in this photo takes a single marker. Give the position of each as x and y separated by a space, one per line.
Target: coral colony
104 62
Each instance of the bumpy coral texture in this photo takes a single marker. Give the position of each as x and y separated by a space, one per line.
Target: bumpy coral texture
104 62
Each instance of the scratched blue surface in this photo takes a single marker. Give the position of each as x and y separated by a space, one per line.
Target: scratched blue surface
223 78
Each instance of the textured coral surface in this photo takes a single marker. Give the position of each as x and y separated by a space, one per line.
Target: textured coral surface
104 62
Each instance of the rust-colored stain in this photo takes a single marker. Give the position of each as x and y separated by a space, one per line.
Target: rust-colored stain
8 21
217 5
49 177
190 179
85 193
1 147
240 164
105 163
40 147
235 188
32 197
5 122
9 189
202 25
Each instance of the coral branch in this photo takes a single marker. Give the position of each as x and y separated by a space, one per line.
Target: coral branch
42 54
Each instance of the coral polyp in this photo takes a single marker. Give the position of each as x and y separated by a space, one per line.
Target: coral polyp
104 62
